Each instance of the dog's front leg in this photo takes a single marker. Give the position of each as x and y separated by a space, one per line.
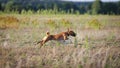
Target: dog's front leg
65 37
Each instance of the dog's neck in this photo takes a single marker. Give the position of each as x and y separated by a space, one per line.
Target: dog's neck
68 34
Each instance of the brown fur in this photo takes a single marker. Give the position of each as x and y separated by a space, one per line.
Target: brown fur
58 37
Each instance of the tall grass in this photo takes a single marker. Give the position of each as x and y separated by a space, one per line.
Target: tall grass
8 22
94 24
91 48
67 56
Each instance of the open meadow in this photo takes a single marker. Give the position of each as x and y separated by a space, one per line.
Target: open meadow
97 44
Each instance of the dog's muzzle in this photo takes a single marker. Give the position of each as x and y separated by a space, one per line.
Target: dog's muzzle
74 35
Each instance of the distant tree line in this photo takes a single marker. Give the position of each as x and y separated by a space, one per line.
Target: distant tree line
57 6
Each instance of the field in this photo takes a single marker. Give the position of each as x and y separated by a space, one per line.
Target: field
97 44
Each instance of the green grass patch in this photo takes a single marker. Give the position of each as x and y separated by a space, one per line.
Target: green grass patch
94 24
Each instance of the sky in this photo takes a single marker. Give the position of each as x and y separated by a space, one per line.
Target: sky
93 0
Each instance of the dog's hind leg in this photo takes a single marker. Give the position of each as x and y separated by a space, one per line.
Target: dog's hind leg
39 42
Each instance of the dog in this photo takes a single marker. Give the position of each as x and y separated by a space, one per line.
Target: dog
57 37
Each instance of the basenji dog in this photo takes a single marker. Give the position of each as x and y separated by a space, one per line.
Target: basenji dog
58 37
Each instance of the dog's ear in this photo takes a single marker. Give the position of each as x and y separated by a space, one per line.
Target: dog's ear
68 29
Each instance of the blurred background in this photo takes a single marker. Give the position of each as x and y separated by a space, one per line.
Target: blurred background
61 6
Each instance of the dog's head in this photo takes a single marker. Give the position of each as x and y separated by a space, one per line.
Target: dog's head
71 33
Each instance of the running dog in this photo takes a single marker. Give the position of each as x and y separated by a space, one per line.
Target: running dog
57 37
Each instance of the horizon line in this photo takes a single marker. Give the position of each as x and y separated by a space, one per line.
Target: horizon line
91 0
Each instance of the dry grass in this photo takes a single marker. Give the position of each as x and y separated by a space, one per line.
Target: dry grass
60 56
8 22
90 49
